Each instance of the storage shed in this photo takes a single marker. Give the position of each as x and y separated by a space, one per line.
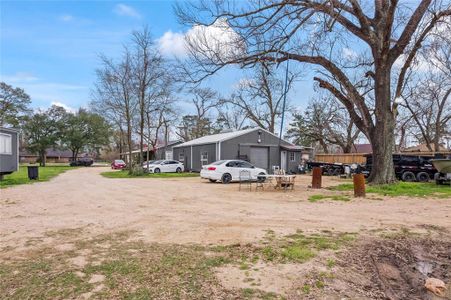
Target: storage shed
9 151
256 145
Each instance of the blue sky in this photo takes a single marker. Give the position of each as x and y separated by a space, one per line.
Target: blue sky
51 48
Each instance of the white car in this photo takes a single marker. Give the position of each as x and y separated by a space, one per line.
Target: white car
164 166
229 170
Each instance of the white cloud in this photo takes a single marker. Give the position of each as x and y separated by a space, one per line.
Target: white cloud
125 10
172 44
19 77
65 106
66 18
216 41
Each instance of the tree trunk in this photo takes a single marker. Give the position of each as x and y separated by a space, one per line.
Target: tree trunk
382 136
42 156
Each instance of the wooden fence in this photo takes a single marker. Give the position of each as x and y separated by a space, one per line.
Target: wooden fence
344 158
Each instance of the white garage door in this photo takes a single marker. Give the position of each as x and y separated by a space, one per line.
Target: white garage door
259 157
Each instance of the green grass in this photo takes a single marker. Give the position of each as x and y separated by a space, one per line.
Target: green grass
315 198
125 174
412 189
134 269
21 176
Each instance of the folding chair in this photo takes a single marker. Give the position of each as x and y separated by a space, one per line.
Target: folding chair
245 178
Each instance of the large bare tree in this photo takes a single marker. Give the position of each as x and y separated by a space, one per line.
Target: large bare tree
114 95
261 96
149 77
317 32
325 122
428 92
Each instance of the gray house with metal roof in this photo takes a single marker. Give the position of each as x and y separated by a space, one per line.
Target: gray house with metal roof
256 145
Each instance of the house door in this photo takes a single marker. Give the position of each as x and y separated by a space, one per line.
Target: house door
283 160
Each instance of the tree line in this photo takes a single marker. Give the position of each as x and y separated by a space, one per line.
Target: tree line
52 128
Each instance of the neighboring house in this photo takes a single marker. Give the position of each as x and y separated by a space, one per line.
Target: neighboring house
53 156
163 151
9 151
423 148
160 151
258 146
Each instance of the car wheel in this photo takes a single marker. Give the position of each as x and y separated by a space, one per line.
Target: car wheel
423 177
261 178
212 180
226 178
408 176
156 170
179 170
336 172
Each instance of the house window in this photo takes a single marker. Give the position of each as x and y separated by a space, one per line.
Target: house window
6 144
204 158
181 157
292 156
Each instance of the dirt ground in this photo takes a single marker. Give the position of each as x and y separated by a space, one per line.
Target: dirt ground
229 244
191 210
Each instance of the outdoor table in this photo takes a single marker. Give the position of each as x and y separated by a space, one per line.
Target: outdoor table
279 179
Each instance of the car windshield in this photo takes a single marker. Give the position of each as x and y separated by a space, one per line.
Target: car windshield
119 161
219 162
157 162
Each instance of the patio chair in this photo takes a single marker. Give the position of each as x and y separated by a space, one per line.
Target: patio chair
288 182
245 178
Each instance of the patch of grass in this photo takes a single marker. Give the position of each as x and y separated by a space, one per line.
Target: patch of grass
411 189
330 263
125 174
316 198
298 253
21 176
138 270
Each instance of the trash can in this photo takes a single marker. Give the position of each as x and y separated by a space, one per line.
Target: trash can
33 172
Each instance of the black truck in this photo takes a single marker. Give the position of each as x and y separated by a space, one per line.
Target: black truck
407 167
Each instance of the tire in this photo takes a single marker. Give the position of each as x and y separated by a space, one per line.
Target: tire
212 180
226 178
423 177
336 172
408 176
260 178
179 170
330 172
157 170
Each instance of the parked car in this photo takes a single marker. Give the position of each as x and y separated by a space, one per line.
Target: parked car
229 170
118 164
84 161
165 166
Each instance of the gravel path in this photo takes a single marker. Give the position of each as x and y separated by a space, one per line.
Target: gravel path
190 210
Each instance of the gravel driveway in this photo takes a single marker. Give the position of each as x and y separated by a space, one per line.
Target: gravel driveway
190 210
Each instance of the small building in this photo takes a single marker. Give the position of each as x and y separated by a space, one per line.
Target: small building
256 145
160 151
163 151
9 151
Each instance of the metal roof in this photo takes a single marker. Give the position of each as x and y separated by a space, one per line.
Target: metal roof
220 137
214 138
